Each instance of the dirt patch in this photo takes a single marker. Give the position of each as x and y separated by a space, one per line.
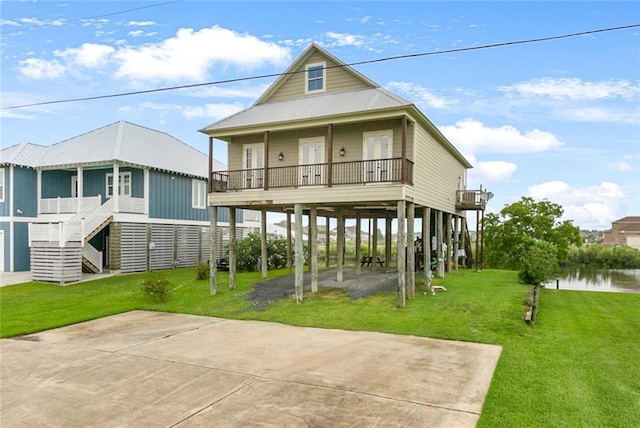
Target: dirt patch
369 282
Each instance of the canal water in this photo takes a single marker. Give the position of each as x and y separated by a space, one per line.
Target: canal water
619 280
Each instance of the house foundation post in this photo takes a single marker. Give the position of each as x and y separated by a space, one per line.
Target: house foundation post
263 242
327 243
298 253
387 242
358 242
448 241
340 247
411 252
232 248
374 243
213 251
289 261
456 241
463 238
402 243
313 247
426 243
439 249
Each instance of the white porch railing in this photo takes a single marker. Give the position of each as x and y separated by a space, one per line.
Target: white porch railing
94 256
68 205
128 204
59 233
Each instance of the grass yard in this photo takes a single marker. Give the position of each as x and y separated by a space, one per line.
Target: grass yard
579 366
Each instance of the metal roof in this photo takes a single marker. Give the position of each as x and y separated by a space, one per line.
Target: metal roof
24 154
311 107
126 143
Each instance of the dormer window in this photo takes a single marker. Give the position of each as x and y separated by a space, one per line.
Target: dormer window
315 81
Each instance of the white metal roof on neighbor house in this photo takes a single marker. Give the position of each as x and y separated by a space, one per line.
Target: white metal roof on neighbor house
310 107
130 144
24 154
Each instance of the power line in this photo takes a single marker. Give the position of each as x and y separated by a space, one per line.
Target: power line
15 31
371 61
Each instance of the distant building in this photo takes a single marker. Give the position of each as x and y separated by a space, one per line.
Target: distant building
625 231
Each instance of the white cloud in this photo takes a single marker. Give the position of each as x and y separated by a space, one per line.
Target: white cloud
600 114
628 163
422 96
489 171
365 19
135 33
42 69
471 136
210 111
343 39
190 54
592 207
88 55
573 89
8 22
141 23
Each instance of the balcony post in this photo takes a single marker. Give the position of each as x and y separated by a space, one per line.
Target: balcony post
39 189
403 170
210 172
116 188
265 175
330 155
80 191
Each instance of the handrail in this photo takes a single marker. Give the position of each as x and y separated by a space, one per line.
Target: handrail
96 218
93 255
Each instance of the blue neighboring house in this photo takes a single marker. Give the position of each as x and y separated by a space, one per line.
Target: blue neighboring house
123 197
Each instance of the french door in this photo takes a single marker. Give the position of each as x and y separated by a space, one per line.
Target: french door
253 166
377 153
311 161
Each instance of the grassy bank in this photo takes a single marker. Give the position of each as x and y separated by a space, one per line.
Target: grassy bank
577 367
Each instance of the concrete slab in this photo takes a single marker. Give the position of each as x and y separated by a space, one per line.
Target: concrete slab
157 369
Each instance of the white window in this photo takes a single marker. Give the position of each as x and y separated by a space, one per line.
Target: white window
377 151
315 78
253 165
124 184
1 184
198 193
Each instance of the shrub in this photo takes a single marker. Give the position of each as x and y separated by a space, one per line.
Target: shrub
539 262
157 287
249 250
203 270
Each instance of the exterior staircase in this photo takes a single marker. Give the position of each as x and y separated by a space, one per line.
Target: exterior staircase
92 224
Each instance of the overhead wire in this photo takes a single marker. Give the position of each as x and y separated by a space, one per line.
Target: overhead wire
371 61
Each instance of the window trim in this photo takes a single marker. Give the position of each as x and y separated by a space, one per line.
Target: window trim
198 194
121 174
322 64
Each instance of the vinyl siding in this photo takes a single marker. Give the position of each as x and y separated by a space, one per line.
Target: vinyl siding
25 191
57 184
170 198
21 251
95 181
336 80
436 173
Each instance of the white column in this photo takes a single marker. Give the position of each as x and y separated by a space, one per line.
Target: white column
80 188
116 187
39 188
145 190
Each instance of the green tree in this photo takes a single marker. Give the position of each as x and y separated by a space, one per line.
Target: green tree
539 263
506 233
249 250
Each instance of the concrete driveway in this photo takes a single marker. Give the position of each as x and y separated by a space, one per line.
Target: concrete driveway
172 370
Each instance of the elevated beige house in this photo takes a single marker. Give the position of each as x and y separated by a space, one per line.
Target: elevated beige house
324 140
625 231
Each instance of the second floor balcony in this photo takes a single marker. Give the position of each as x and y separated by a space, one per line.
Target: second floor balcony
391 170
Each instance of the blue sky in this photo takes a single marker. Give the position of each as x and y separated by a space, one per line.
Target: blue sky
557 119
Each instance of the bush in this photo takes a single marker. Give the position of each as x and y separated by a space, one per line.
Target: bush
249 250
539 262
157 287
203 270
605 256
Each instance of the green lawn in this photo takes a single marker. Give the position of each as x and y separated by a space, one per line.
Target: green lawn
579 366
